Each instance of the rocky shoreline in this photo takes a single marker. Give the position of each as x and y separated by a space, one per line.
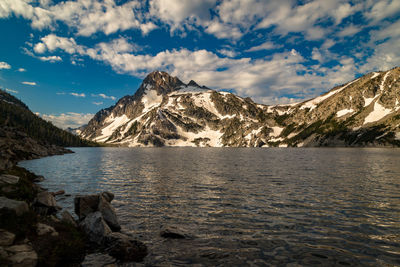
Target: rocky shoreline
33 231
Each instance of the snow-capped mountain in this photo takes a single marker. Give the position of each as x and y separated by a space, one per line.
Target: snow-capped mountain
167 112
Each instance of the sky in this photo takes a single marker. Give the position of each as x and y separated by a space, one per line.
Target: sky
68 59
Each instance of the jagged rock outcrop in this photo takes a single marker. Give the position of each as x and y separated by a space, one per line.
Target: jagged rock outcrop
167 112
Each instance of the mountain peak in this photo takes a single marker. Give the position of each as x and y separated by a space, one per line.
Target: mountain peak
162 82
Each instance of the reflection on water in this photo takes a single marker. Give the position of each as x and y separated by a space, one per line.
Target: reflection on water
253 207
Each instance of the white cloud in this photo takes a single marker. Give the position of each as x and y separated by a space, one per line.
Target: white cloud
39 48
385 44
383 9
85 16
349 31
264 46
264 78
11 91
69 119
29 83
227 52
97 103
104 96
21 70
4 65
184 12
78 95
50 58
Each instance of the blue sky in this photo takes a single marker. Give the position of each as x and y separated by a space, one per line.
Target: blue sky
68 59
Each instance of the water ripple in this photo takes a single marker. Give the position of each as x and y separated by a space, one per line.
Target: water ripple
245 207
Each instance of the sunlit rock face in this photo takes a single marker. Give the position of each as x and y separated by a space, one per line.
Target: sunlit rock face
167 112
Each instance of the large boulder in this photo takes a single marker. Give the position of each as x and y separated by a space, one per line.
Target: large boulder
84 205
67 217
45 203
95 227
19 207
44 229
21 255
108 213
108 196
125 248
7 179
6 238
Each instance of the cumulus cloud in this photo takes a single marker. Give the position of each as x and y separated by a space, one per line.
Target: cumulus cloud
97 103
263 78
104 96
4 65
29 83
227 52
85 16
12 91
69 119
185 12
50 58
21 70
78 94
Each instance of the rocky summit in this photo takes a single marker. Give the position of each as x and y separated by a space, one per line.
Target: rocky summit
164 111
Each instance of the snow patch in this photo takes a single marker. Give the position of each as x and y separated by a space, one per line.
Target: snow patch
343 112
368 101
214 137
277 131
151 100
106 132
376 74
378 113
383 81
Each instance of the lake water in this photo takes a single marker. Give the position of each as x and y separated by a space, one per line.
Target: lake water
245 206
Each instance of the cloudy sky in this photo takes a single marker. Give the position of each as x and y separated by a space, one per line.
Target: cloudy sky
68 59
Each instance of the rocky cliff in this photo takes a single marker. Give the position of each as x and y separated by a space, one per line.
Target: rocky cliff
164 111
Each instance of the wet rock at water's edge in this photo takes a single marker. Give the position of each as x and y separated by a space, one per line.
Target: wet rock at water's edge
125 248
95 227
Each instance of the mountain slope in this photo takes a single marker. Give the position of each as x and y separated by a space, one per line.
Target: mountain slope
166 112
23 135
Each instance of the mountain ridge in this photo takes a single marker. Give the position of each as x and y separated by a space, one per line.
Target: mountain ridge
164 111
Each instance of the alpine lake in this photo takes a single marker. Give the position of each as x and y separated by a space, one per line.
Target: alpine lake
244 206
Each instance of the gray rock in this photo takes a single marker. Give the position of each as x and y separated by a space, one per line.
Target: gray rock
59 192
19 207
44 229
125 248
6 238
46 199
8 179
109 214
108 196
85 205
95 227
98 260
45 203
67 217
174 232
22 255
39 179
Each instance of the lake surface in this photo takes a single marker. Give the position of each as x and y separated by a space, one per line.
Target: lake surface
245 206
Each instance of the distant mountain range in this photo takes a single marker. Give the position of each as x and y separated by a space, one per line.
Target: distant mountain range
167 112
